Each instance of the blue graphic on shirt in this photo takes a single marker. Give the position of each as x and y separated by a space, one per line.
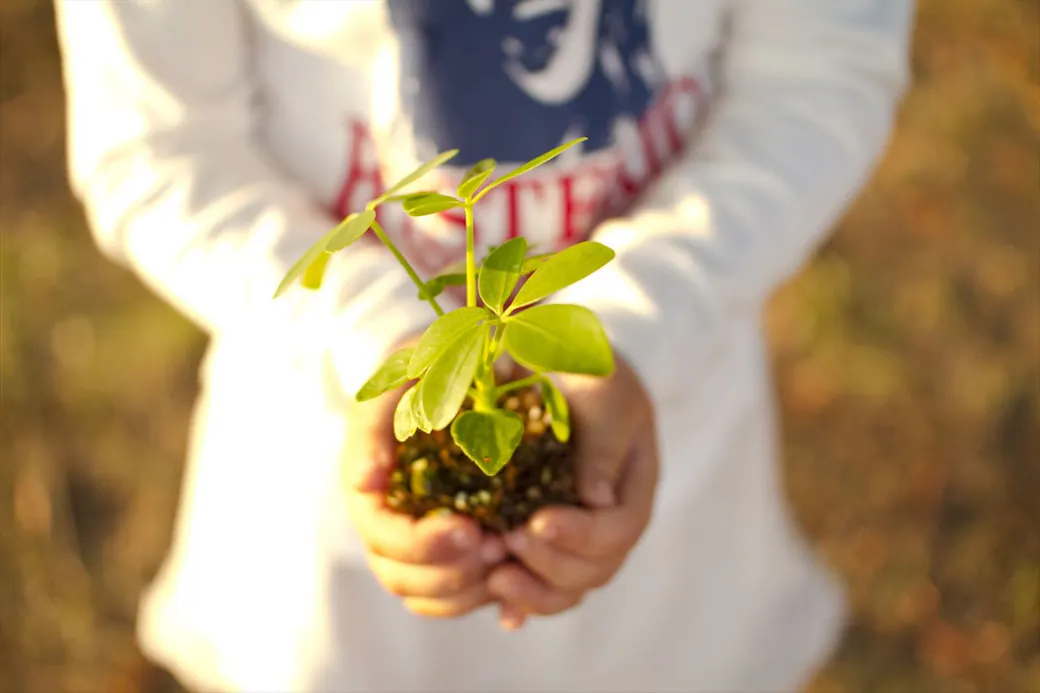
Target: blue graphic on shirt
510 79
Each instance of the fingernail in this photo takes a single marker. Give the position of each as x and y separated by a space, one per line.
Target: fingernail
462 539
601 494
516 541
511 618
544 529
492 552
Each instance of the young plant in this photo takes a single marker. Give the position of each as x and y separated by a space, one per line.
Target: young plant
455 358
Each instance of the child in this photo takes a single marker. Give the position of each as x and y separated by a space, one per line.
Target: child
212 141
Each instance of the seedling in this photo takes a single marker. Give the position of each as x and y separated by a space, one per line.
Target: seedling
454 360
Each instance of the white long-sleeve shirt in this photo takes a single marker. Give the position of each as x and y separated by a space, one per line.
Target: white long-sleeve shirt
212 141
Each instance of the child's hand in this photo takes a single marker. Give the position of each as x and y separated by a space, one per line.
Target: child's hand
438 565
566 552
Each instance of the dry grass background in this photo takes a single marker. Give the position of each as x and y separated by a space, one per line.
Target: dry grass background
907 359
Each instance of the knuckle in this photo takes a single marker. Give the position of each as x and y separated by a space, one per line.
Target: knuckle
574 534
452 581
424 549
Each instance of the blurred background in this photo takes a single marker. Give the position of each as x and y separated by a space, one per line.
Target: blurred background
908 357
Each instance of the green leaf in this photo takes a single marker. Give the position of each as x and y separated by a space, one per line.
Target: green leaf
561 270
475 177
334 239
306 260
424 204
533 163
561 338
452 274
500 272
393 373
417 410
557 407
415 175
400 197
435 287
441 334
488 438
534 262
446 383
315 272
405 422
352 228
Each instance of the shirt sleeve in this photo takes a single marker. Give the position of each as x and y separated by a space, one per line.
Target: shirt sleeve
163 153
808 92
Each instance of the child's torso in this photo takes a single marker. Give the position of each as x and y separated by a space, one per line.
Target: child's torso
353 95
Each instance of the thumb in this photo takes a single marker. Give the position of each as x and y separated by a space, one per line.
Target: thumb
603 431
371 474
372 450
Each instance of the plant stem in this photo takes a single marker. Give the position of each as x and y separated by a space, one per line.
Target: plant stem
471 268
518 384
381 235
485 392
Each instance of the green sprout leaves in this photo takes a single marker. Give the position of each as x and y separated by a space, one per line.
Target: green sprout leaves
561 270
558 410
451 275
445 360
559 338
406 421
488 438
533 262
436 286
415 175
475 177
425 204
443 389
313 262
442 334
393 373
500 273
352 228
315 272
454 358
532 164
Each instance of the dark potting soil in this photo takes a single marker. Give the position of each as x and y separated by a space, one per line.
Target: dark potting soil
433 475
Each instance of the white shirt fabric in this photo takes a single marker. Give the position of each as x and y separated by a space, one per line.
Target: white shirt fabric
212 141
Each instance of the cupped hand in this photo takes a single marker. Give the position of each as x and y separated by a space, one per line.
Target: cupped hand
564 552
437 565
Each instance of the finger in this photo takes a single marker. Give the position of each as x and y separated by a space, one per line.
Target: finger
639 481
400 537
372 456
596 534
513 585
457 605
590 535
511 617
601 439
559 569
409 580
